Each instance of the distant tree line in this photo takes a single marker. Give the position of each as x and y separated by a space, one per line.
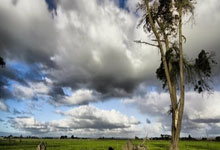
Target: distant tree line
162 137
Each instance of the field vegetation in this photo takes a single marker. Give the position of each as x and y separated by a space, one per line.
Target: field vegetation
93 144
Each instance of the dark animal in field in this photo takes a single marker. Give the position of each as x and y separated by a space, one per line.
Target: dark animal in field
110 148
42 146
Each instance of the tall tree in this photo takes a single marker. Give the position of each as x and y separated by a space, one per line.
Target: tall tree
163 19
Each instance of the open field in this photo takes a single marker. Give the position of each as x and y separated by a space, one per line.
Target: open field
91 144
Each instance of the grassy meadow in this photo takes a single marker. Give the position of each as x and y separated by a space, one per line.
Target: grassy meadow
91 144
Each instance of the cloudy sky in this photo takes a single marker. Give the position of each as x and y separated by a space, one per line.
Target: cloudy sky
72 68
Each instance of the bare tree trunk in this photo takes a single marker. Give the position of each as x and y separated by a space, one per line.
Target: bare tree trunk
175 136
177 113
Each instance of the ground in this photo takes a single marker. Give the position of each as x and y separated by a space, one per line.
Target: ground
91 144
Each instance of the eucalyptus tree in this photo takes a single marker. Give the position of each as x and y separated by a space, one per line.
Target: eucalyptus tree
163 20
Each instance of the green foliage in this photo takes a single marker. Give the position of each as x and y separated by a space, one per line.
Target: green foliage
172 58
162 12
203 67
92 144
197 73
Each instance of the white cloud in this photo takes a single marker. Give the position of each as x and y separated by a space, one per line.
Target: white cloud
91 112
81 96
132 5
82 121
152 103
3 106
30 124
201 111
203 106
30 91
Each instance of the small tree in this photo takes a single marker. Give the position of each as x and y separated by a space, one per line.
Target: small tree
162 19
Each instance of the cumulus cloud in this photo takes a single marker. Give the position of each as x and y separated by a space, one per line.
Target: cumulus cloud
31 91
29 124
79 97
82 121
200 114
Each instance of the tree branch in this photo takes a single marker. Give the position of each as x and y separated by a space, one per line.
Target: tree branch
143 42
161 51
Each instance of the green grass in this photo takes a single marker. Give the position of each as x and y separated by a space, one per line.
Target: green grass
78 144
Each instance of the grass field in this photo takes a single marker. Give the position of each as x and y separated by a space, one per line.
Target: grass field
78 144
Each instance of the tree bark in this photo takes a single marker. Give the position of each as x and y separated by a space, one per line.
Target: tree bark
177 113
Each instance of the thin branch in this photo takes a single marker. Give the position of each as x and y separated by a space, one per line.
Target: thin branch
143 42
154 29
154 40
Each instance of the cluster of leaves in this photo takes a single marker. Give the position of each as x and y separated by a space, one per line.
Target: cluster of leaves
203 67
162 14
197 72
172 58
2 62
159 13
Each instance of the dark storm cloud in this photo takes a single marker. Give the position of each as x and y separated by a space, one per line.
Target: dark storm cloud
85 48
69 54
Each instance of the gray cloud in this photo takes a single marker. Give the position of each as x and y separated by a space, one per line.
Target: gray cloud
26 38
207 120
74 45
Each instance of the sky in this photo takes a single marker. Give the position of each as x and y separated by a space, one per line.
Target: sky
73 68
